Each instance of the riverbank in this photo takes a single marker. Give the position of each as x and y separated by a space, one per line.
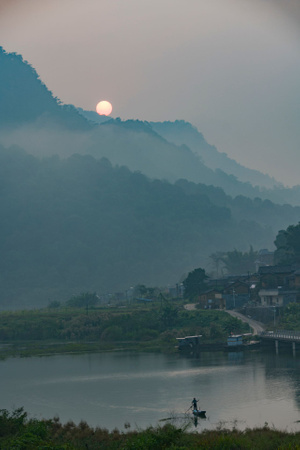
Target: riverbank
41 348
46 332
20 432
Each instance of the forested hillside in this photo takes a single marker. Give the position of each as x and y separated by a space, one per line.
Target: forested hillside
173 150
248 182
78 224
31 117
181 132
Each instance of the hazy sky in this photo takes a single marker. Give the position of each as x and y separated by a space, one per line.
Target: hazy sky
230 67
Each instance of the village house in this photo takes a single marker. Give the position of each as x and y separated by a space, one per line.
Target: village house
276 297
280 285
211 299
265 258
274 276
236 294
294 280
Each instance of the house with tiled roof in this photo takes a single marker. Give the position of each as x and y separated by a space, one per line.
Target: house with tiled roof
273 276
277 296
212 299
280 285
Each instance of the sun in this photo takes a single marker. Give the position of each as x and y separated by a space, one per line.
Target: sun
104 108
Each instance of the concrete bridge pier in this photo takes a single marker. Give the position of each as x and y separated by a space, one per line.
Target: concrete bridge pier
294 348
276 346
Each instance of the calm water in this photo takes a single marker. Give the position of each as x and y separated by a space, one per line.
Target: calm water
110 389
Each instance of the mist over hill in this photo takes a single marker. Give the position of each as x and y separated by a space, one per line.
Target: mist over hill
102 207
79 224
31 117
178 150
181 132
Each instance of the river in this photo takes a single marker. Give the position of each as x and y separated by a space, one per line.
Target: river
111 389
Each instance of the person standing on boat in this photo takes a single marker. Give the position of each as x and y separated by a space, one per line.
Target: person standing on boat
194 404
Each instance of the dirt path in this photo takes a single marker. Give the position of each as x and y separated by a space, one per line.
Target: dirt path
257 327
190 306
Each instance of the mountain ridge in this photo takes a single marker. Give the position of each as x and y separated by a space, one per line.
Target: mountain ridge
31 117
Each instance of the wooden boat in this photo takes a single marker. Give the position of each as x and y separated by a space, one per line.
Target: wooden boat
199 413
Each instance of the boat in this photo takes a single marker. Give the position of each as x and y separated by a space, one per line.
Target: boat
235 343
199 413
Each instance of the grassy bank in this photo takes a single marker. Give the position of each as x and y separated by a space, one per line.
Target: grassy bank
141 328
18 432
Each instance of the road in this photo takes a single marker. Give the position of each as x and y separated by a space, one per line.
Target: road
257 327
190 306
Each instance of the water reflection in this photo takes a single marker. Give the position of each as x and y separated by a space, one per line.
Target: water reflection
109 390
282 369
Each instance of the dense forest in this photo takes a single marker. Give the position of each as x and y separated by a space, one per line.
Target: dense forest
79 224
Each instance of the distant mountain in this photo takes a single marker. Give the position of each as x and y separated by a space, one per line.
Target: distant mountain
32 118
160 159
181 132
262 185
78 224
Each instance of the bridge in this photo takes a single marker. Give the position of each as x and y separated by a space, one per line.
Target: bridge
282 336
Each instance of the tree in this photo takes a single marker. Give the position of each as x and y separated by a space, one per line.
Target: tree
54 304
218 262
83 300
146 292
238 263
168 313
194 283
288 245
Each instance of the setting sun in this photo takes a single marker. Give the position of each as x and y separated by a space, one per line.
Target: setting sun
104 108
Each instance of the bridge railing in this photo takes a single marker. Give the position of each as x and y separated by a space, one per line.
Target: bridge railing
281 334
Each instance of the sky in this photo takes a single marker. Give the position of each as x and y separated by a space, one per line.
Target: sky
230 67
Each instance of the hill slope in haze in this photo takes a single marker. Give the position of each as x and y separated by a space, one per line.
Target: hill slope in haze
24 98
181 132
132 143
78 224
32 118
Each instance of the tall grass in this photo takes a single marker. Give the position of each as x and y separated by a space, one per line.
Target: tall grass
18 432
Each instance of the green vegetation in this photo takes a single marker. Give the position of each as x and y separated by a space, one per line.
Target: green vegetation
77 224
234 262
57 330
289 318
288 245
25 98
83 300
19 432
194 284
